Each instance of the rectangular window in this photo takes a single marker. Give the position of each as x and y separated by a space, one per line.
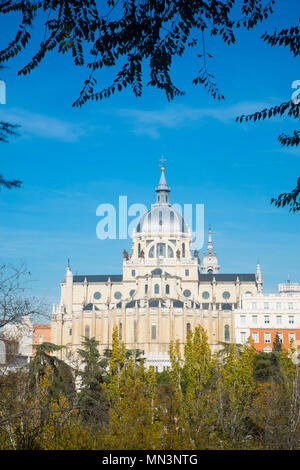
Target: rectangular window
254 305
70 331
243 337
254 319
267 337
279 319
243 319
280 336
153 331
278 305
187 272
267 319
290 305
266 305
40 339
133 272
255 337
291 320
291 337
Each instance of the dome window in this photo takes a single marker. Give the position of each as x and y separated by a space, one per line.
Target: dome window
151 252
183 250
205 295
97 295
117 295
171 221
170 252
161 250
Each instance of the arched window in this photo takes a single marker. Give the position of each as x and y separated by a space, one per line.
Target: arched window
156 289
161 250
210 271
226 333
120 331
87 331
170 252
188 327
167 289
151 252
183 250
153 331
139 249
146 288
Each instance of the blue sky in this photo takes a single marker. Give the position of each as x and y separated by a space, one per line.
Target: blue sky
71 160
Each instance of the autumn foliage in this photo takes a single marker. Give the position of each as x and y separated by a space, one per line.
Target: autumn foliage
203 401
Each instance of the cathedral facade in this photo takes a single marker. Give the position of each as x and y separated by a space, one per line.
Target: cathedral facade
163 291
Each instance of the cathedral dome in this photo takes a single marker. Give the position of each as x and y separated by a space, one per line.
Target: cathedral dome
162 218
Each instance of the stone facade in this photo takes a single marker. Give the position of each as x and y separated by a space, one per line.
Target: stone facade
161 293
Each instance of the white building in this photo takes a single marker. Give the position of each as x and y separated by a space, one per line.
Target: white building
22 334
262 316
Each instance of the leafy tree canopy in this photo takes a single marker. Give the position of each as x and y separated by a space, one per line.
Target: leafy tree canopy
61 378
127 34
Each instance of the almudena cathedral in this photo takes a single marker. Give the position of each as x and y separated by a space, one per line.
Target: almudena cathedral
164 291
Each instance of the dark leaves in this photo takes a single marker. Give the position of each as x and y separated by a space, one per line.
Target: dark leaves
9 184
290 140
291 200
208 81
127 35
7 129
289 108
286 37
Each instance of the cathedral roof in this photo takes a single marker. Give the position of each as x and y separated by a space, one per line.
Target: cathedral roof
98 278
226 277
